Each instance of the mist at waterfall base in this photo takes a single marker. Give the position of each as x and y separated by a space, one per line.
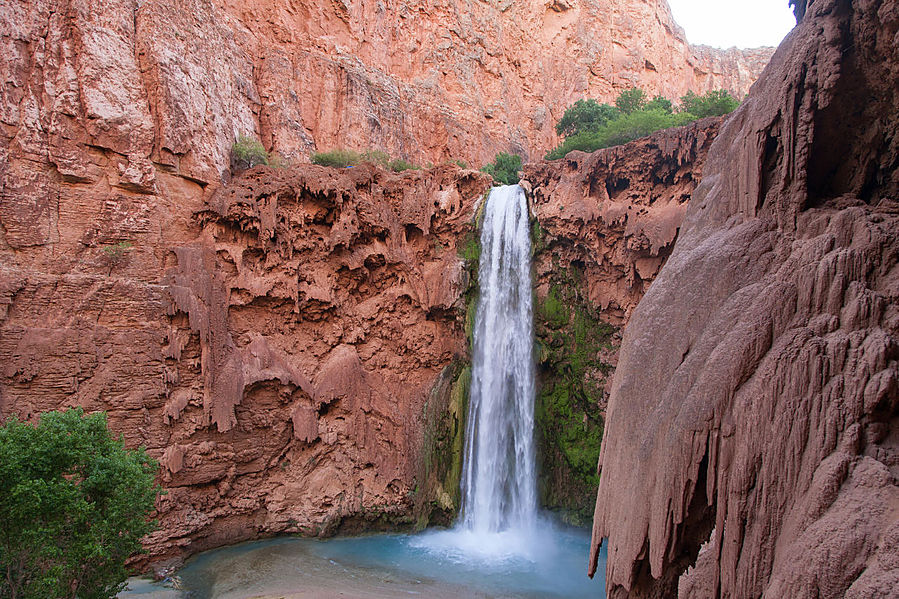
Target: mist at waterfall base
501 546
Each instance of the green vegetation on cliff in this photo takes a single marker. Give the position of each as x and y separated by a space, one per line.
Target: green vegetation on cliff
437 497
589 126
571 340
504 168
341 158
73 506
247 152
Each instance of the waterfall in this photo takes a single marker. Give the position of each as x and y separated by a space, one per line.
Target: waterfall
498 477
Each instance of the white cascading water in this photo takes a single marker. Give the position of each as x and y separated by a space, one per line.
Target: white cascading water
498 476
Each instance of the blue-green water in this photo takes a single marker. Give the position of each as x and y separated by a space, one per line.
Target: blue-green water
549 562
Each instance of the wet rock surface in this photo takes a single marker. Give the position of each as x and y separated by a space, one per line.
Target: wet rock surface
605 224
753 411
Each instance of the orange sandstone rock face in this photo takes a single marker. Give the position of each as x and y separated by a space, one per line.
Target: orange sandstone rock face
129 91
277 352
754 409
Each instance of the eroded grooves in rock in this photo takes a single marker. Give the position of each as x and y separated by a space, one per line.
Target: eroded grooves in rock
754 409
498 480
278 346
108 92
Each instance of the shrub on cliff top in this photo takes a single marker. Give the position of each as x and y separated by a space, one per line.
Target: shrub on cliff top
346 158
585 115
73 507
247 152
504 168
631 100
337 158
619 131
635 117
399 165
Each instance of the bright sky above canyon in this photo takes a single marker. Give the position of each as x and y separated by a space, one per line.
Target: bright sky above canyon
741 23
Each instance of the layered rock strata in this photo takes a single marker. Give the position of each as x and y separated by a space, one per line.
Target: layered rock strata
131 90
754 409
278 352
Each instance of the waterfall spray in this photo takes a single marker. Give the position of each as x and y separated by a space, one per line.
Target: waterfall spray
498 477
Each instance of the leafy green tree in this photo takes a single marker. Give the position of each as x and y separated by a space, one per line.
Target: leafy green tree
714 103
73 507
660 103
636 117
631 100
504 168
247 152
585 115
640 124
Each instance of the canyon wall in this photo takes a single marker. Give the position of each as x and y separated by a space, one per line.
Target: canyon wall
604 223
291 343
135 90
753 424
288 346
293 346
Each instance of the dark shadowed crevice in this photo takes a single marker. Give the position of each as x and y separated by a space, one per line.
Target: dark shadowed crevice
687 539
772 159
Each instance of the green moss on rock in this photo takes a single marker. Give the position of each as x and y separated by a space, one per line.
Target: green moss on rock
571 340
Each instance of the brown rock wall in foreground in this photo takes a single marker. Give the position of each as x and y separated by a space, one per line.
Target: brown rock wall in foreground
754 409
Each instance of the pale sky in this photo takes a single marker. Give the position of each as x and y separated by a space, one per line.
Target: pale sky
740 23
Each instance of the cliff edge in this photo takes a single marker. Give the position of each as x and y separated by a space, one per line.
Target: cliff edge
754 415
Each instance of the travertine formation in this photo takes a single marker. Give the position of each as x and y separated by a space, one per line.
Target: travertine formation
287 343
280 357
614 214
754 409
605 223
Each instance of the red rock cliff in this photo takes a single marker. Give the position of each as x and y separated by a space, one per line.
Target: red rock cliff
277 342
282 353
128 90
754 408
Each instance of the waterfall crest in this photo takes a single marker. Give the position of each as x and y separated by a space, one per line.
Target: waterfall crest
498 477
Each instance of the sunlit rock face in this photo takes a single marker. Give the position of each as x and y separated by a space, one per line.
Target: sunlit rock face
753 411
124 89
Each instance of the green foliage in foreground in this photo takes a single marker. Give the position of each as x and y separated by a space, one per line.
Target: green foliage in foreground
73 507
634 117
504 168
341 158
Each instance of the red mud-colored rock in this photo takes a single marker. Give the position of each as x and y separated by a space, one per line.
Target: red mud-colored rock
276 355
754 408
123 89
614 214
